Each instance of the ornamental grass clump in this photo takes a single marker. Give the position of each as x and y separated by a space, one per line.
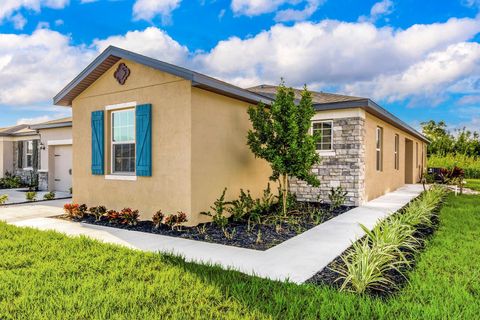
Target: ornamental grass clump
388 248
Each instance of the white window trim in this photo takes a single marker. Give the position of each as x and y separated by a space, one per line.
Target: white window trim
125 105
325 152
120 177
112 143
59 142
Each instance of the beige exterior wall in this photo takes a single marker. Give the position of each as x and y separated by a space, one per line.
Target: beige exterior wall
169 188
198 146
6 156
220 155
53 134
378 183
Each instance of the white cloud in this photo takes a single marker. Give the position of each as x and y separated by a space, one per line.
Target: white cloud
257 7
332 53
358 58
34 120
427 78
149 9
151 42
18 21
59 22
9 7
298 15
34 67
379 9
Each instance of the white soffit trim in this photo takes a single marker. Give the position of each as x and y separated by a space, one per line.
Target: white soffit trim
59 142
339 113
119 177
121 105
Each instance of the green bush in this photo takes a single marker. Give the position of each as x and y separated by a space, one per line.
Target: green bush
3 198
31 196
470 165
10 181
49 196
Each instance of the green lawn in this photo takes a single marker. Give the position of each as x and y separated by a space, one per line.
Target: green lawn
473 184
45 275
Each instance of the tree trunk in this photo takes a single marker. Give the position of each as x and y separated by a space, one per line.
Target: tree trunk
284 194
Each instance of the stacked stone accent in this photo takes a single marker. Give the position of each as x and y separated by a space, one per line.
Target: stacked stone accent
346 168
26 175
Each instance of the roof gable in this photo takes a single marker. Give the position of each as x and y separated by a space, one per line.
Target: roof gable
112 55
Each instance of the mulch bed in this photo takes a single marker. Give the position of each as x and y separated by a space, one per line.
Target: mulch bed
268 236
329 277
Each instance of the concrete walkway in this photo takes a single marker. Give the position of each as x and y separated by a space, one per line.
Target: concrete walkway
296 259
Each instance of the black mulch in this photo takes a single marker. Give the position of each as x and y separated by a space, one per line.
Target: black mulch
329 277
260 237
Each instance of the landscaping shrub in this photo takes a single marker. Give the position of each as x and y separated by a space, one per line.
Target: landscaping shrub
10 181
176 220
98 212
3 198
31 196
71 209
158 218
49 196
129 217
219 210
470 165
370 261
113 216
337 197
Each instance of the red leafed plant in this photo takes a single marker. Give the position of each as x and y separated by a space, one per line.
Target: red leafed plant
175 220
129 216
72 210
158 218
113 216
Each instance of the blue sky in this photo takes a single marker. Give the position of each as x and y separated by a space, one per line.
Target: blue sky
418 59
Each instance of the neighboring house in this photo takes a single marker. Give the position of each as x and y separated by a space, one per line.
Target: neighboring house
44 149
150 135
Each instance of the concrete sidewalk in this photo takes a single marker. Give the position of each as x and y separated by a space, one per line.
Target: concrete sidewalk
296 259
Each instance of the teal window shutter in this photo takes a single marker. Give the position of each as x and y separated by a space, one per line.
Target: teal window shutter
98 143
143 115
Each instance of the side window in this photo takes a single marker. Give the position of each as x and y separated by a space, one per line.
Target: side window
325 128
29 154
379 148
123 141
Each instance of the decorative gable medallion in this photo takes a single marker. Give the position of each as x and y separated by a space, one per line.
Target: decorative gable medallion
122 73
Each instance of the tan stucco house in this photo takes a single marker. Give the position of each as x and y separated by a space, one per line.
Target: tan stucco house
44 149
150 135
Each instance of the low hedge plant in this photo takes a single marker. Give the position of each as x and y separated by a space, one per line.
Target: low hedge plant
389 247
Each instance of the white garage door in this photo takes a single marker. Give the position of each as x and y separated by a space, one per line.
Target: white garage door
63 168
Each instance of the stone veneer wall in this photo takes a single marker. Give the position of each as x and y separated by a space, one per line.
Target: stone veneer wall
26 175
346 168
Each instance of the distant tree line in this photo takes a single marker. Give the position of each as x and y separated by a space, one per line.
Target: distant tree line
461 142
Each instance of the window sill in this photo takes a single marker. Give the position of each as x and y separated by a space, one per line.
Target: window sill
120 177
326 153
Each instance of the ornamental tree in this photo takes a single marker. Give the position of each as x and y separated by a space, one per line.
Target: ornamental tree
281 136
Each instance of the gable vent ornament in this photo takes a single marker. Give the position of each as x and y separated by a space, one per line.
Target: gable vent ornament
122 73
